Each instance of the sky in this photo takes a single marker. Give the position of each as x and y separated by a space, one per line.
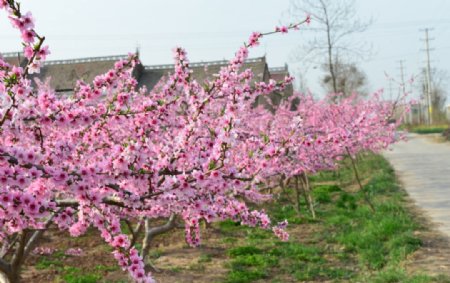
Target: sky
214 30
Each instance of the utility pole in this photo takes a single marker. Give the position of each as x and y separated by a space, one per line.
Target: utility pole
390 90
428 78
403 90
402 77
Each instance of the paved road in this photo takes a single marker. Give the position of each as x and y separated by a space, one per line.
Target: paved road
423 165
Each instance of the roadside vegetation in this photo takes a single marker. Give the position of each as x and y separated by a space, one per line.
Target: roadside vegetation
347 242
427 129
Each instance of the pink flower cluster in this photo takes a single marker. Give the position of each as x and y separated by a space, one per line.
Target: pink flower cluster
134 264
200 150
254 39
74 252
282 29
32 42
44 251
280 231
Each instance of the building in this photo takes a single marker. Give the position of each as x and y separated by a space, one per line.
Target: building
65 73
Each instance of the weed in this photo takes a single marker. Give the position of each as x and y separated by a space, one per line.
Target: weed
105 268
245 250
361 241
175 269
45 263
205 258
81 278
155 254
433 129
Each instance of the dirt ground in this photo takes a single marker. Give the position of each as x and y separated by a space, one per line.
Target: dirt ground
176 262
179 263
433 257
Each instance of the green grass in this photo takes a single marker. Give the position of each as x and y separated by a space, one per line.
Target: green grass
155 254
85 278
433 129
249 263
205 258
394 275
104 268
350 242
45 263
347 242
76 275
70 274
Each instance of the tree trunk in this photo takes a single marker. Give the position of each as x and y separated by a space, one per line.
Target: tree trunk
330 49
13 276
308 196
361 188
151 232
297 195
5 270
3 278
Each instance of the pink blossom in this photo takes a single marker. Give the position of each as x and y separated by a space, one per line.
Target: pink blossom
254 39
28 21
28 36
282 29
44 52
74 252
28 52
44 251
308 19
120 241
34 67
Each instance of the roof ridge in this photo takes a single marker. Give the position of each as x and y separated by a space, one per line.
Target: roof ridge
10 54
86 60
203 63
279 69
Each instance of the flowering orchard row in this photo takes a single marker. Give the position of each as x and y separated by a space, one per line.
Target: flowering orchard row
199 150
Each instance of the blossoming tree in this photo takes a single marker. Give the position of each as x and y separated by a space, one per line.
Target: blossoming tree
112 153
315 134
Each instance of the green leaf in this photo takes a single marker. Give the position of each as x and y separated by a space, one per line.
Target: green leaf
212 165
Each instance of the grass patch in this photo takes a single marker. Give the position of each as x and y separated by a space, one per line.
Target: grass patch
249 263
71 274
425 129
155 254
104 268
394 275
45 263
205 258
346 243
86 278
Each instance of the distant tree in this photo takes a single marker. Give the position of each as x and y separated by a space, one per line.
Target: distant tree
335 21
439 80
349 79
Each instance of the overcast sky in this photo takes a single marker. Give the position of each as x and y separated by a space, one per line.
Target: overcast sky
213 30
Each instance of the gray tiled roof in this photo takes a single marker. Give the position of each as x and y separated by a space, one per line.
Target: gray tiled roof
65 73
13 58
201 71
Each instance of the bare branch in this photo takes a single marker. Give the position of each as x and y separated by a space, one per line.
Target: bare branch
335 22
37 235
151 232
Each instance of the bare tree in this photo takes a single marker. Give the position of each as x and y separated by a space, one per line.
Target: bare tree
349 79
334 23
439 80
